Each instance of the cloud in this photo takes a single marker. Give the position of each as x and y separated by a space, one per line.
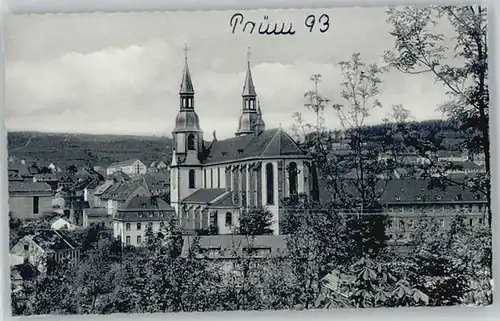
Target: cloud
120 79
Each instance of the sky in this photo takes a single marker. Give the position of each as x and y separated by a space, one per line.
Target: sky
104 73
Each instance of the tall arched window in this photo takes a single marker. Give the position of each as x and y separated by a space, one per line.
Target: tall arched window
192 178
270 183
191 144
292 178
229 219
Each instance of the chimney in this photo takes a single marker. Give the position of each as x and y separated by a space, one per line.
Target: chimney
214 136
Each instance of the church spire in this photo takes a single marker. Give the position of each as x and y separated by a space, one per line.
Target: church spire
248 118
186 84
248 88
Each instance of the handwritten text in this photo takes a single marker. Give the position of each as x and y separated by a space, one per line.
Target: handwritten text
265 27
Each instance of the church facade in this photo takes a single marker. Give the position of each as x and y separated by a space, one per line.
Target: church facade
213 183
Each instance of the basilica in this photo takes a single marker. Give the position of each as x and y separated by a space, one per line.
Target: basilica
213 182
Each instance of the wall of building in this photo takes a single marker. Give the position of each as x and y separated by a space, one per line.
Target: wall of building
120 231
22 206
33 254
404 219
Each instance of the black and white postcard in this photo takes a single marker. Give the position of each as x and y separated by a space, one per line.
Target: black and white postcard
197 161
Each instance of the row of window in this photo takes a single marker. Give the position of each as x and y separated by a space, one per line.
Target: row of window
411 224
138 226
138 239
437 208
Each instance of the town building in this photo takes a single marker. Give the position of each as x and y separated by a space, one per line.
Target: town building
211 184
131 167
452 156
29 200
44 245
132 220
406 201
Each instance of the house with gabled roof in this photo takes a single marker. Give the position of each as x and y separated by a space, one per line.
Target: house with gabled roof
43 245
120 193
256 168
131 167
29 200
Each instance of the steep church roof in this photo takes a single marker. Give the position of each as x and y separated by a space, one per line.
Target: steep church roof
273 142
248 87
204 195
186 83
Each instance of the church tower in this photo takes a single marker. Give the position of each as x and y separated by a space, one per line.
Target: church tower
249 116
185 168
187 135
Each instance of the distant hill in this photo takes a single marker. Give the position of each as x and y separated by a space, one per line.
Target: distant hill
90 150
85 149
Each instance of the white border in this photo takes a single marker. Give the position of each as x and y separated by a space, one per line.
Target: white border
75 6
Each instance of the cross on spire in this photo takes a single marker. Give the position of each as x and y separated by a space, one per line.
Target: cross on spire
186 49
249 53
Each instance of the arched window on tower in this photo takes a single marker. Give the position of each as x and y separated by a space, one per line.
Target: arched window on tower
192 178
270 183
292 178
191 144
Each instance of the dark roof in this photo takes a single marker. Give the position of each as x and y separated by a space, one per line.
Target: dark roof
146 203
156 180
26 270
98 212
273 142
470 165
100 189
46 177
225 200
51 240
119 176
142 208
449 153
120 191
204 195
417 191
78 205
28 186
14 176
411 191
233 246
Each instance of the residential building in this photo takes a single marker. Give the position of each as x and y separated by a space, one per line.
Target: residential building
256 168
406 201
97 216
131 167
50 179
46 245
158 183
452 156
120 194
29 200
132 220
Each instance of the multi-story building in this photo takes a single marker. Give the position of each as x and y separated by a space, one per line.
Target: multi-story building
406 201
131 221
131 167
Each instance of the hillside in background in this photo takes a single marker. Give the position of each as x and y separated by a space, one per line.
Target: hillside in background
90 150
84 149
